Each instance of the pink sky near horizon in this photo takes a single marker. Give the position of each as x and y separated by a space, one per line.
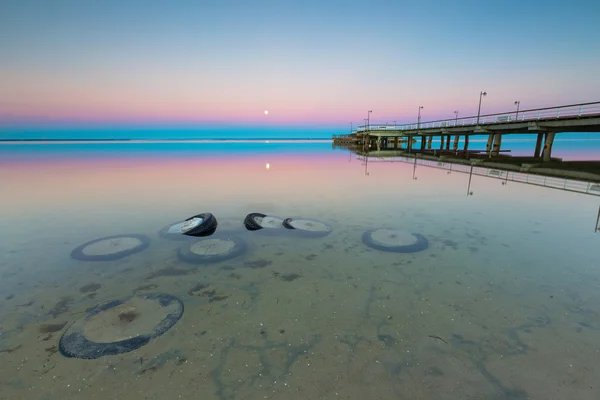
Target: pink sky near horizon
307 63
27 99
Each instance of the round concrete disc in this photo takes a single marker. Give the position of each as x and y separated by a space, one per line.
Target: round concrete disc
395 240
269 222
121 326
135 317
220 247
111 246
309 225
212 247
393 237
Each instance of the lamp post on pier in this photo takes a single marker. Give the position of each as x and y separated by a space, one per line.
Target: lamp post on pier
365 134
394 125
368 124
419 118
481 94
455 118
517 103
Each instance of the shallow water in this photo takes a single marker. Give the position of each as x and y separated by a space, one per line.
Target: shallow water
503 304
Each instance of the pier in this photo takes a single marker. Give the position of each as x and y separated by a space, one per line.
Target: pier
415 140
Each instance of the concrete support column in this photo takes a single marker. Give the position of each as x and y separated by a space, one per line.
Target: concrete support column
488 146
497 144
442 142
466 143
456 137
396 142
423 140
548 146
448 142
538 145
409 140
429 141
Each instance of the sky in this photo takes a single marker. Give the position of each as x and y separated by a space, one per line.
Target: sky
313 64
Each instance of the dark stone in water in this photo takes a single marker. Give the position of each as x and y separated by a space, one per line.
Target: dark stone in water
289 277
92 287
450 243
10 350
128 316
198 287
49 328
145 287
209 293
61 307
169 271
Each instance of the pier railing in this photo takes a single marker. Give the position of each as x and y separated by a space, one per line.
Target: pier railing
537 114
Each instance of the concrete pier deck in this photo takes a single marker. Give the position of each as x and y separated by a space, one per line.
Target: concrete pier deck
546 123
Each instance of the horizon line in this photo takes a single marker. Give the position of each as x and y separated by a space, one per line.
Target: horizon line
63 141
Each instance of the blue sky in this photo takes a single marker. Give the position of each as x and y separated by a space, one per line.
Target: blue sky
310 64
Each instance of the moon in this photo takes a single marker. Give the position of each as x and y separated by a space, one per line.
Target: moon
266 112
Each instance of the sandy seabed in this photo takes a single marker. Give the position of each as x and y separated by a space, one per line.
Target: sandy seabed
475 316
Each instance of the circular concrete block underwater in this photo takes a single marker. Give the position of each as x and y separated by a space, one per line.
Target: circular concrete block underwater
395 240
213 249
121 326
264 223
110 247
200 225
307 227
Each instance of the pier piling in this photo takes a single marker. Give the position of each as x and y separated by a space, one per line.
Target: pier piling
548 146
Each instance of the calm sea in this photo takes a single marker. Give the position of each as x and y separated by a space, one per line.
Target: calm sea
568 146
499 300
